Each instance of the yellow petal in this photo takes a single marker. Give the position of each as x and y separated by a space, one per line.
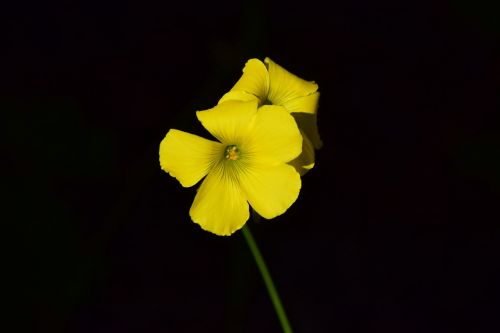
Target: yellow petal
188 157
308 124
285 86
230 122
305 161
274 136
220 205
238 95
255 80
306 104
271 190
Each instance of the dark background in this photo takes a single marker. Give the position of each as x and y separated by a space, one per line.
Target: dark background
396 228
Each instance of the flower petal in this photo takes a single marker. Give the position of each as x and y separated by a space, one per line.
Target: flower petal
308 124
305 161
238 95
255 80
285 86
230 122
188 157
271 190
220 206
274 137
306 104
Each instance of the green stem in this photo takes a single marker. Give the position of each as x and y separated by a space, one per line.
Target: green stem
271 289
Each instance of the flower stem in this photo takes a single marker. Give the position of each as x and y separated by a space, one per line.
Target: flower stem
271 289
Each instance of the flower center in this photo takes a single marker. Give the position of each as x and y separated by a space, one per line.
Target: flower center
232 153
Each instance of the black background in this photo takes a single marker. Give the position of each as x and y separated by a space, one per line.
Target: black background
396 228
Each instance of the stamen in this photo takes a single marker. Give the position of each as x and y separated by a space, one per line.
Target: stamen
232 153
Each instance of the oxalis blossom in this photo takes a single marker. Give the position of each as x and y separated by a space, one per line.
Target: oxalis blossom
248 164
269 83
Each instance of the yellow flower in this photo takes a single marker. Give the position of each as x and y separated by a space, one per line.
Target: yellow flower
270 83
247 165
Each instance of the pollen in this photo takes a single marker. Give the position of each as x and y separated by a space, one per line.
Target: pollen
232 153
